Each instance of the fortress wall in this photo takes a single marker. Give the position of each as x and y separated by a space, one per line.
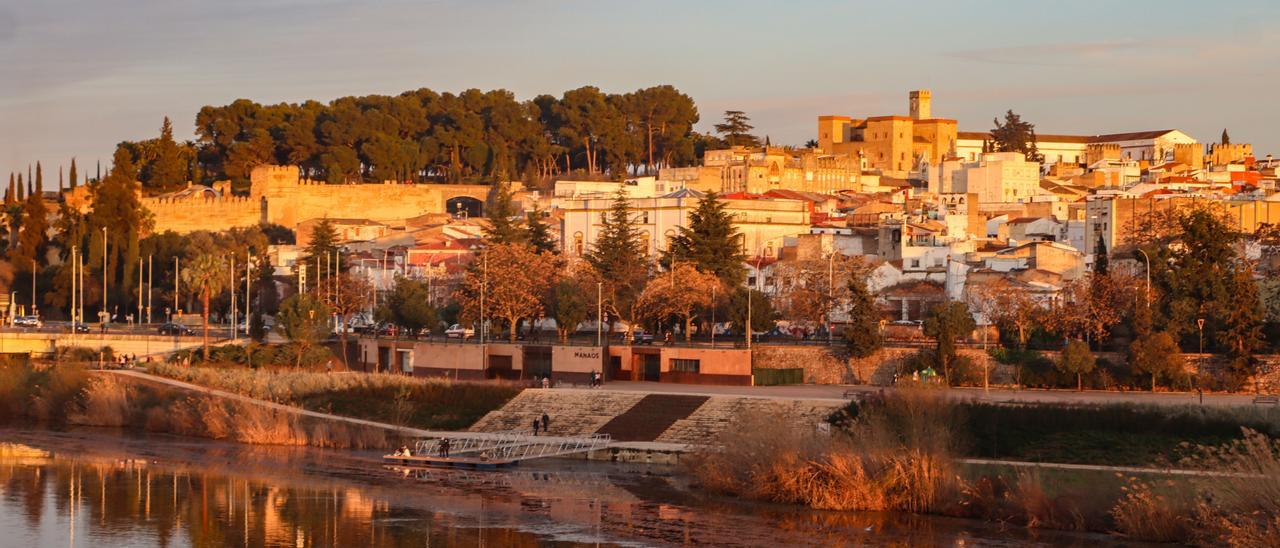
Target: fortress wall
184 216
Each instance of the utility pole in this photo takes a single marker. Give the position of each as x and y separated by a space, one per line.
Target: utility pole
248 294
34 267
177 275
141 298
599 312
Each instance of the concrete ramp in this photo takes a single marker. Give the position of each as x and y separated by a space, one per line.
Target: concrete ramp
651 416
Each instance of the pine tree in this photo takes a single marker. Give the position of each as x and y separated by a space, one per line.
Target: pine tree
168 169
501 213
72 175
618 258
710 242
538 233
322 247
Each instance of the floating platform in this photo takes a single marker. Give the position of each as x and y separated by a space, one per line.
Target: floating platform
468 463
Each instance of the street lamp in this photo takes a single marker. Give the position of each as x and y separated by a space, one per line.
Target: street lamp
1200 326
1148 258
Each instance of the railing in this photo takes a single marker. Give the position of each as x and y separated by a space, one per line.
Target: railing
513 445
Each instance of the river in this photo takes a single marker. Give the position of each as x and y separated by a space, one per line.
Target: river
105 488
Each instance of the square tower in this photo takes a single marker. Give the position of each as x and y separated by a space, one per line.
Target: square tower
921 104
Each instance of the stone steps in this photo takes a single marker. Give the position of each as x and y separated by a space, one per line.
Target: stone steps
649 418
572 412
705 424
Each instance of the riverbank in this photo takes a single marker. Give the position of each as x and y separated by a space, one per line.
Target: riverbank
145 488
904 452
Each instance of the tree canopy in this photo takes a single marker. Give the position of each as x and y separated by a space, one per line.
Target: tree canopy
473 135
710 242
1015 135
736 129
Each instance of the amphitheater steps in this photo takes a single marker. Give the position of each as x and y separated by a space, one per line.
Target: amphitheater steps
572 412
711 419
649 418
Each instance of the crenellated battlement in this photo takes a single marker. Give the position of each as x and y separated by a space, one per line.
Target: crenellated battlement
1220 154
1101 151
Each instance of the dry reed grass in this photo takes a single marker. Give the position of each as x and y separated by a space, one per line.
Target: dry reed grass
104 402
887 461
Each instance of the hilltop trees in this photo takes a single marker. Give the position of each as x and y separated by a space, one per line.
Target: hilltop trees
117 213
168 169
473 135
736 129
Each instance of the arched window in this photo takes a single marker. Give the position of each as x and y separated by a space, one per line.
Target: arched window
578 247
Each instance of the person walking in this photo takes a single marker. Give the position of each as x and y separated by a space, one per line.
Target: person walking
444 448
546 423
535 425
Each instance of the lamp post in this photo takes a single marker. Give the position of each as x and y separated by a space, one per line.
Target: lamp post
1148 258
1200 327
106 316
831 291
599 312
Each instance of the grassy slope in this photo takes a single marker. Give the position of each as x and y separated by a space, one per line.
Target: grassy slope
420 403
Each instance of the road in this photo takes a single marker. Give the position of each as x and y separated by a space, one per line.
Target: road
1000 395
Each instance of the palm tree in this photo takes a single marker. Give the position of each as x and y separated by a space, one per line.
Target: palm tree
208 274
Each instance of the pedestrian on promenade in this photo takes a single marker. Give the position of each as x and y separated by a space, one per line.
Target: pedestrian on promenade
546 423
535 426
546 381
444 448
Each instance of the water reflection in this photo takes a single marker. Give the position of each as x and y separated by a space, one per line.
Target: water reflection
103 489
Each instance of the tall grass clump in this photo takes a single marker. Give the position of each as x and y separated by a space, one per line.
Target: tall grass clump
894 457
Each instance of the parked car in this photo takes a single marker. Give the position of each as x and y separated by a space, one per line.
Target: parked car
175 329
79 328
28 321
640 336
456 331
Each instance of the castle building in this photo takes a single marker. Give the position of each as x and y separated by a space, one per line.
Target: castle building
996 177
894 145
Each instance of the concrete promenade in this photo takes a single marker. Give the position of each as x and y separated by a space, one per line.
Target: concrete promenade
999 395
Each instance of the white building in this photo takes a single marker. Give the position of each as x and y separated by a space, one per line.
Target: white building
995 177
764 224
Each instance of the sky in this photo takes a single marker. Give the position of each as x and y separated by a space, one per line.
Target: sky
77 77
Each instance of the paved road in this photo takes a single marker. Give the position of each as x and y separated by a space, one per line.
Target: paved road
837 392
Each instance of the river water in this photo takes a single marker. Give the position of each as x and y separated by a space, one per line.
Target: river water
103 488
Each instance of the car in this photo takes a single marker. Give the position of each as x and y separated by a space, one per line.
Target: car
175 329
456 331
28 321
79 328
641 337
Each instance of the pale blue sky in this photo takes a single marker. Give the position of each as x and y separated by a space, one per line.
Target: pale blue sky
78 76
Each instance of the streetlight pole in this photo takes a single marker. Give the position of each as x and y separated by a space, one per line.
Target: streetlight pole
235 327
1148 258
599 312
177 275
72 311
831 290
151 289
106 316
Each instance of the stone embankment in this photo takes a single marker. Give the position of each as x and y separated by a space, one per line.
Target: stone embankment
675 420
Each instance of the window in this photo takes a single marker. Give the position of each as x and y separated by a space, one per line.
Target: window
684 366
915 263
578 247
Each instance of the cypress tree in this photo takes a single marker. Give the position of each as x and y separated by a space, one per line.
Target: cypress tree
710 242
22 194
1101 260
502 228
862 336
60 181
32 238
538 233
72 175
168 170
39 180
9 198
